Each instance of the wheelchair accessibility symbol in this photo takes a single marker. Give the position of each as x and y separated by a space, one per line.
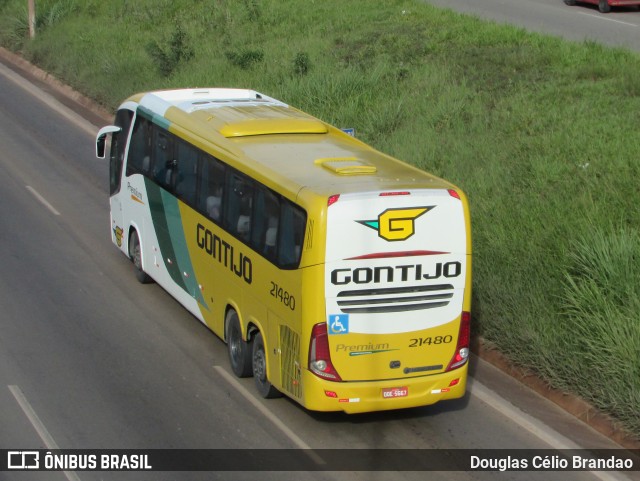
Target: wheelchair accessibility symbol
339 324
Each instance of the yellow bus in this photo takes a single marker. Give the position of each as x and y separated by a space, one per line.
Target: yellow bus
337 275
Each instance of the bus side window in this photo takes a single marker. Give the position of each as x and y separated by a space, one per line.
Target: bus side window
185 179
238 204
292 224
139 158
210 187
264 229
164 164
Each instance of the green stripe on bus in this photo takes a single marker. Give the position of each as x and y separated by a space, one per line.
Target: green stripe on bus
157 207
167 223
179 245
153 117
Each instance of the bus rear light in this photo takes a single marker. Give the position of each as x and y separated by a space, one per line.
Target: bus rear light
332 200
461 354
320 355
331 394
454 193
386 194
454 382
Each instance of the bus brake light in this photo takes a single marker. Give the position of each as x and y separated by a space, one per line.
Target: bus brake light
461 354
387 194
320 355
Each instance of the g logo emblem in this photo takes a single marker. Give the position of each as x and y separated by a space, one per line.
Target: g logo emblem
396 224
117 231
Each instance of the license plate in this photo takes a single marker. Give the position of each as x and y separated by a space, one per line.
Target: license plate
391 392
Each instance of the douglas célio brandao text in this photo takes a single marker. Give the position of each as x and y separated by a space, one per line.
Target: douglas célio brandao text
532 462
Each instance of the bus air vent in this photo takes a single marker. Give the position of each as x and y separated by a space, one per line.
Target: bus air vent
290 361
395 299
270 126
346 166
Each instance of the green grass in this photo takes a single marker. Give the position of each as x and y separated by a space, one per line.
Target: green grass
539 132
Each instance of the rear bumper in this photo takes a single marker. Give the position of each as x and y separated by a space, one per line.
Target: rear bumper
360 397
621 3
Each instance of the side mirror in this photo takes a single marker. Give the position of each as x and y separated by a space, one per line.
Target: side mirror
101 138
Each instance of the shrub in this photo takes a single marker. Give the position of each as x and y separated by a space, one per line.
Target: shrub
245 58
169 57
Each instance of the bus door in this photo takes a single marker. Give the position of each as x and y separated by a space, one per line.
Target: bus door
119 137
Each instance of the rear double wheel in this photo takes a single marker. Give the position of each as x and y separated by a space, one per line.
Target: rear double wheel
239 350
259 361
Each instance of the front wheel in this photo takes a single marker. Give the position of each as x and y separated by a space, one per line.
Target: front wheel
265 388
239 350
135 254
603 6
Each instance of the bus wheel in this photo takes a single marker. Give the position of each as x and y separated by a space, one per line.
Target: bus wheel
239 350
263 385
603 6
135 253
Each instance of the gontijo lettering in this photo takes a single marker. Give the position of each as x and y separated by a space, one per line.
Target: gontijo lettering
382 274
224 253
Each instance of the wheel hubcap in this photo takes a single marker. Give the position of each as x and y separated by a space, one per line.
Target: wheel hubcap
136 256
259 365
235 347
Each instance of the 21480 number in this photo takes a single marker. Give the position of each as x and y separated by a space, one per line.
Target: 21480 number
279 293
427 341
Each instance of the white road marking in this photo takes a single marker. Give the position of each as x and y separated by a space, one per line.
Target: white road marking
38 425
600 17
60 108
42 200
533 426
268 414
489 397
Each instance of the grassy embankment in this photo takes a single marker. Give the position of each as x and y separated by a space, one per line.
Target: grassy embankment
539 132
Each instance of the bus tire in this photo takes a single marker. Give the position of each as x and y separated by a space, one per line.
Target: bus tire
239 350
603 6
259 361
135 254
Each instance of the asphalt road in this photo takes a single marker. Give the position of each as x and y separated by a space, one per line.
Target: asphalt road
91 359
620 28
